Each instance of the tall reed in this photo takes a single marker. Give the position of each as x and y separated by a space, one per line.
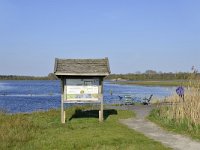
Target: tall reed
185 111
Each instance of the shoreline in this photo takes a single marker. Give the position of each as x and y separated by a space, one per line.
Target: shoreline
153 83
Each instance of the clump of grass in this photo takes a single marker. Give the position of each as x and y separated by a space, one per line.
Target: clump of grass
15 129
182 115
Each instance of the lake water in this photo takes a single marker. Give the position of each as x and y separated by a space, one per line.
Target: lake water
29 96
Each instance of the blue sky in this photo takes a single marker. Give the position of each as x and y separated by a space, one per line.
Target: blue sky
162 35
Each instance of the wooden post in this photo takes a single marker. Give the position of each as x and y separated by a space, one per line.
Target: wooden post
101 107
62 102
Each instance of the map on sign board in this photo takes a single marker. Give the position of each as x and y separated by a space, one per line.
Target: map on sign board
81 90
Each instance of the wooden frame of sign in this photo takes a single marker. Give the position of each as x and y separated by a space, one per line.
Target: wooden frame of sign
84 86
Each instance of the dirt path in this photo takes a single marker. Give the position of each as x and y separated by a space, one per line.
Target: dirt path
151 130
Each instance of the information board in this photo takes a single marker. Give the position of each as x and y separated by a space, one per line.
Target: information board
82 90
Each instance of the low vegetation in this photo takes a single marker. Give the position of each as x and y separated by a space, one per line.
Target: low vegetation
151 76
154 83
147 76
51 76
182 115
43 130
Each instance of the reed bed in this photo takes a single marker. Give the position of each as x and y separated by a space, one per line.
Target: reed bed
181 115
180 110
187 109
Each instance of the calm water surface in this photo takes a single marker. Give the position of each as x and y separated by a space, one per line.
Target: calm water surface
29 96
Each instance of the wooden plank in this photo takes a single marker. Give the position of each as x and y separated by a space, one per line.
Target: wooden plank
101 107
108 65
81 74
56 65
62 102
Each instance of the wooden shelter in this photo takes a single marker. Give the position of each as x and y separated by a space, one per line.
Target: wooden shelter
81 81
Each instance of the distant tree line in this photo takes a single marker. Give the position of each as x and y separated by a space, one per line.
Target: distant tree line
51 76
148 75
151 75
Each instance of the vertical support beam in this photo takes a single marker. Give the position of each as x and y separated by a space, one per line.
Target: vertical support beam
62 101
101 106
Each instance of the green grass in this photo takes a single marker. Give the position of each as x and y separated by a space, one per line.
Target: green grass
43 130
181 127
154 83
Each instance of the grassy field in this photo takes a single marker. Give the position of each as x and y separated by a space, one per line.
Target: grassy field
154 83
43 130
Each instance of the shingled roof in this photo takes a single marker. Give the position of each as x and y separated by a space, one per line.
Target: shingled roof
82 67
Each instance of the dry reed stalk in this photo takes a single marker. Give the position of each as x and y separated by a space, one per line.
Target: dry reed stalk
189 109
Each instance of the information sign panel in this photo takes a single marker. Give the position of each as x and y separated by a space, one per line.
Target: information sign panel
82 90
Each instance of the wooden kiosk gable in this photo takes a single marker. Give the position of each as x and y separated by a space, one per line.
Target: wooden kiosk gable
81 81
